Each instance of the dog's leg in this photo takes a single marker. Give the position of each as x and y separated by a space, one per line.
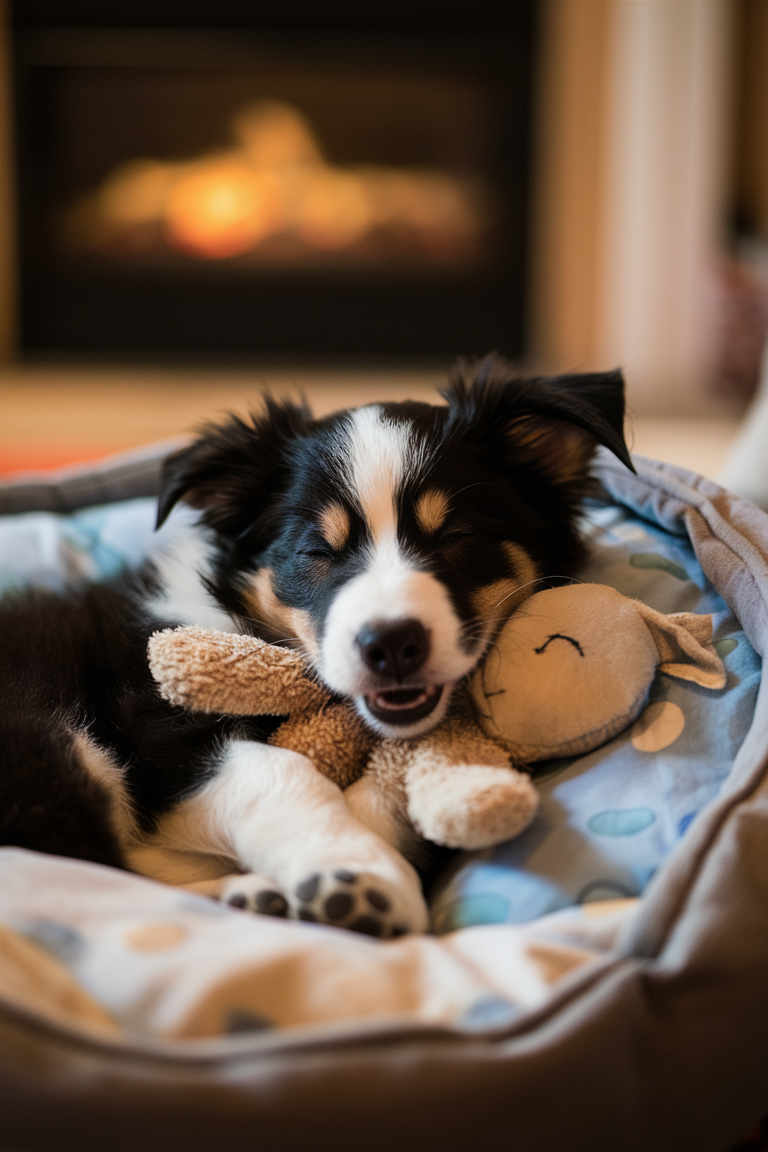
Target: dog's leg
270 812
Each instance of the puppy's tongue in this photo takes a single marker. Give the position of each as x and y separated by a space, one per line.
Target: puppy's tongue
404 705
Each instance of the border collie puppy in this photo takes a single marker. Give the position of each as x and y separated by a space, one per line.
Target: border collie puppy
388 542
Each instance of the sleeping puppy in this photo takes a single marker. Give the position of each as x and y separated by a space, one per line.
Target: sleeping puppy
388 542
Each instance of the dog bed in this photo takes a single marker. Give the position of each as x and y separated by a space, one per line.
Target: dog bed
598 983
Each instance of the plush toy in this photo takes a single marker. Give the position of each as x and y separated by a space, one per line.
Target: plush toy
569 670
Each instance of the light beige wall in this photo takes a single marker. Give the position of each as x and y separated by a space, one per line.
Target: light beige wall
569 184
666 189
631 191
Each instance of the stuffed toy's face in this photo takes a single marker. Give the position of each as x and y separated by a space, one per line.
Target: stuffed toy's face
572 668
391 541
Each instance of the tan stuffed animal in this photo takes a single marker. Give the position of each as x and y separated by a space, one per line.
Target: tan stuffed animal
569 670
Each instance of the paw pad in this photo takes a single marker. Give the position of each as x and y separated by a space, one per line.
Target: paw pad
271 903
254 894
307 890
377 899
368 925
359 902
336 907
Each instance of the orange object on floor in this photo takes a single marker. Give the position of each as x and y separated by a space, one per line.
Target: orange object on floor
37 455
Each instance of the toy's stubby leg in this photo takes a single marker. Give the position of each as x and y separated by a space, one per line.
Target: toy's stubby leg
379 801
470 806
270 812
454 784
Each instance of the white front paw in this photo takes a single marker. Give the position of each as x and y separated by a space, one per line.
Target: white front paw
342 895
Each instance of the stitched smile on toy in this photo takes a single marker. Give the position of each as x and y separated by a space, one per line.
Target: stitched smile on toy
559 636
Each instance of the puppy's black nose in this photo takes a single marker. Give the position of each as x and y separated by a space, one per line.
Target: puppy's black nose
394 649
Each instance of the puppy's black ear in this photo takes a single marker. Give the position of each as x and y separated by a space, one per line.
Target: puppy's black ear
233 469
551 422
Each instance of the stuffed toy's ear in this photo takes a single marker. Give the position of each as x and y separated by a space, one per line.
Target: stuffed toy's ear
684 643
212 671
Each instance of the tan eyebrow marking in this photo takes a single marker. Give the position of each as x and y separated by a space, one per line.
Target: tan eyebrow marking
278 618
334 525
495 602
431 510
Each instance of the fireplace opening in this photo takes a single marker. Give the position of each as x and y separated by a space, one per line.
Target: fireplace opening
302 180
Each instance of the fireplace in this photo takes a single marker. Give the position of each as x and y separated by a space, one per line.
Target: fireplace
288 179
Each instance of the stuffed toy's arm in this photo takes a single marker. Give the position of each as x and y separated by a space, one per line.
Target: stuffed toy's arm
335 739
224 672
214 671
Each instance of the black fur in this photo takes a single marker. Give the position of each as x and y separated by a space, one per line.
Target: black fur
78 663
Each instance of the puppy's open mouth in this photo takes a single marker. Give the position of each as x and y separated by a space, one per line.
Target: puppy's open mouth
404 705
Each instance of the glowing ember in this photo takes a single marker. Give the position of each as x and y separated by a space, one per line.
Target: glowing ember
222 209
275 188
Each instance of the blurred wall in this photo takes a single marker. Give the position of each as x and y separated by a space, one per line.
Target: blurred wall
632 187
750 137
570 149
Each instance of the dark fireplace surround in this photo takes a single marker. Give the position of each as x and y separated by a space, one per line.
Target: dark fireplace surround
285 179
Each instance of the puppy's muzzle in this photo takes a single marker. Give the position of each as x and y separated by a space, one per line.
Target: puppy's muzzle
396 651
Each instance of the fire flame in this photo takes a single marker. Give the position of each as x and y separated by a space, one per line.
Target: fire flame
275 182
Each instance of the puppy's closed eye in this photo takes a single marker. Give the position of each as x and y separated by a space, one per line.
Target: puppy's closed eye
458 533
313 545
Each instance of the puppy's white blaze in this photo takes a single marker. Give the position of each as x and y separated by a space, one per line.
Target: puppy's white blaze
378 461
381 455
390 589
